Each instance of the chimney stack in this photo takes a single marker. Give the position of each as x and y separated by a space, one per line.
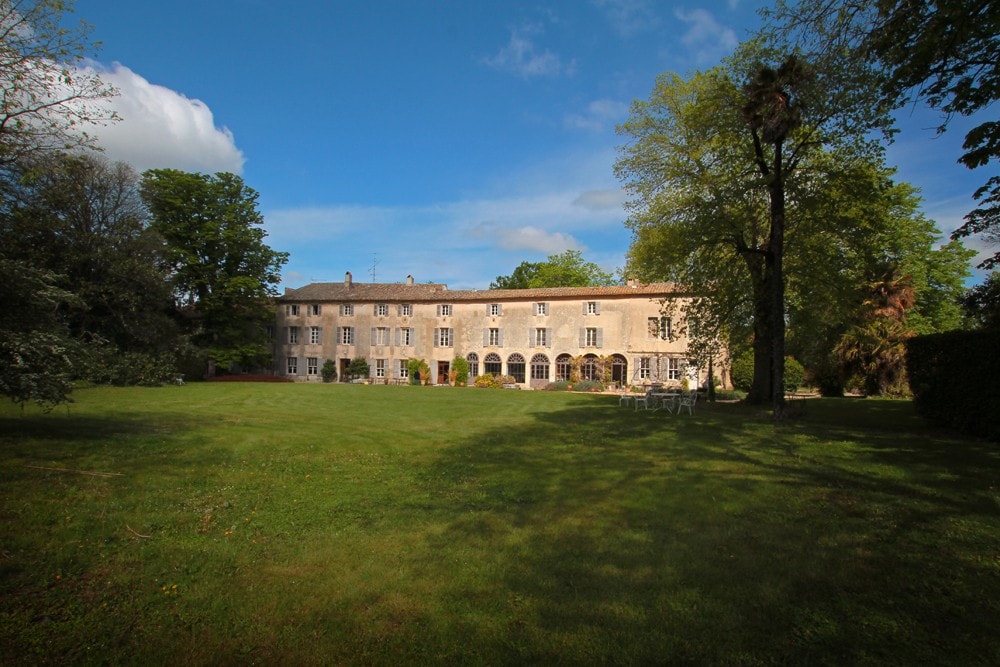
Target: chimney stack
409 280
347 279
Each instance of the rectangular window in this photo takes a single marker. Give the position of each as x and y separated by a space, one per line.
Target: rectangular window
315 335
380 368
293 334
293 365
495 310
591 337
406 310
314 309
404 336
402 371
292 309
347 309
312 366
270 332
444 310
443 337
380 335
644 368
541 337
381 310
591 307
659 327
541 309
347 335
494 337
673 369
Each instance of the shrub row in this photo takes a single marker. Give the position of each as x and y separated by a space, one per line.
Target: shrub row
953 380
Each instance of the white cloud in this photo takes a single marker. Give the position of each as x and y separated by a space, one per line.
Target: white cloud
707 39
599 116
521 57
629 17
161 128
601 200
527 238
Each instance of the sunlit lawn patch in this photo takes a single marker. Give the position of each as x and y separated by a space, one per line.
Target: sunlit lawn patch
328 523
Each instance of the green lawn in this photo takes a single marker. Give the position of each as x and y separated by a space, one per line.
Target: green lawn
293 523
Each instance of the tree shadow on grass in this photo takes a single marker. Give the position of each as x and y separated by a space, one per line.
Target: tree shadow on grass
717 538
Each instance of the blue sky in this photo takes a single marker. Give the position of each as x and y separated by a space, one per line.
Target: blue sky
446 140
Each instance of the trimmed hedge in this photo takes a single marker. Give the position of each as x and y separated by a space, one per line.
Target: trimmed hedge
953 377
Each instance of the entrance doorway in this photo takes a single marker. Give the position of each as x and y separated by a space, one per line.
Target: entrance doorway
443 367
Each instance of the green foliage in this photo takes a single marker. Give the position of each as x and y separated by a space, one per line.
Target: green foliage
558 385
222 273
567 269
982 303
419 371
943 369
741 371
358 368
588 385
795 374
329 371
461 369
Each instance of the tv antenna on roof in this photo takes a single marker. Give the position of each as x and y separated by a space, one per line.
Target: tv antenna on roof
374 264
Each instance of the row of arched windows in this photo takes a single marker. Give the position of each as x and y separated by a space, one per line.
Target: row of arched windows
540 366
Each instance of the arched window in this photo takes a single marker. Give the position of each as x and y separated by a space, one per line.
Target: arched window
564 366
539 367
473 360
588 370
492 364
619 370
516 367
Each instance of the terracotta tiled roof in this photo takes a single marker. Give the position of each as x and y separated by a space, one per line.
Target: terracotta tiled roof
439 293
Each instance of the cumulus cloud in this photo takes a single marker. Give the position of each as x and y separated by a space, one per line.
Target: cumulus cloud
707 39
599 116
520 56
161 128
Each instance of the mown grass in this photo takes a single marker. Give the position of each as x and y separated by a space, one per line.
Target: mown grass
303 524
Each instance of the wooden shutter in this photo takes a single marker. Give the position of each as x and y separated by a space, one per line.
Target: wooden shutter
600 337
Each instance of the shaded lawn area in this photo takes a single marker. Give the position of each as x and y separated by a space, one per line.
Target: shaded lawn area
294 523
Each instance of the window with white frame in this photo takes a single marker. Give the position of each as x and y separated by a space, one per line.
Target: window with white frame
492 364
444 310
673 369
495 310
402 370
564 367
592 337
591 308
314 309
541 309
293 365
494 337
516 367
293 335
380 366
659 327
541 338
312 365
404 336
292 309
473 360
645 369
539 367
381 310
347 335
444 337
380 335
406 309
315 335
347 309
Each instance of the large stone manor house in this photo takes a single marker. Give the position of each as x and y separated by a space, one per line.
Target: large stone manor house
533 335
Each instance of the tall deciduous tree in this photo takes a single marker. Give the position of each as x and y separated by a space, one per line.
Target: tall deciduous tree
223 274
943 52
47 101
566 269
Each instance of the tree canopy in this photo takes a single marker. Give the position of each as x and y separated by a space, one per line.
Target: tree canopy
222 272
567 269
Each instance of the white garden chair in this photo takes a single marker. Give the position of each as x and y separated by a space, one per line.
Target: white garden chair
687 401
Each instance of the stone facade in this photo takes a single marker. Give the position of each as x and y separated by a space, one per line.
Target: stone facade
532 335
